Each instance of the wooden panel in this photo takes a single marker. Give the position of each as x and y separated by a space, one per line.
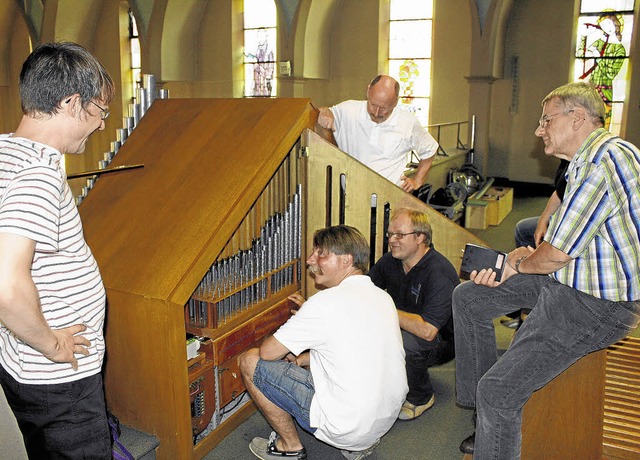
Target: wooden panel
146 376
621 437
361 183
205 163
564 418
231 384
242 337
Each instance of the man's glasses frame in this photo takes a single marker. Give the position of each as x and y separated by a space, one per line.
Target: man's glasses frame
546 119
104 113
399 235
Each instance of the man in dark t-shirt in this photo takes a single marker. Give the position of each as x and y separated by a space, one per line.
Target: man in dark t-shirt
420 280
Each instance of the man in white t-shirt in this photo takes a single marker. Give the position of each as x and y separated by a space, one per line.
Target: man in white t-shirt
381 137
337 366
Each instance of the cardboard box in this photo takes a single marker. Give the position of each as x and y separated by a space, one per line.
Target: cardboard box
500 204
475 214
490 209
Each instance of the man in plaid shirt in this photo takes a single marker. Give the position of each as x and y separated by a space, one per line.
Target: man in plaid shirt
581 283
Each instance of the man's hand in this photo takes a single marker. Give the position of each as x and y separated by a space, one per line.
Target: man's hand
298 300
540 231
20 310
67 345
409 184
326 119
302 360
487 277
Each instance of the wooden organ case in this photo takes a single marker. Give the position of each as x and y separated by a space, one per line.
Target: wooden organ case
210 238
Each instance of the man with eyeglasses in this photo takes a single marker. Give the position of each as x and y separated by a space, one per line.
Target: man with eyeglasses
581 282
52 299
337 366
377 134
420 280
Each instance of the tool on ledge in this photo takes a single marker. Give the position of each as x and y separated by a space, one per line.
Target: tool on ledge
103 171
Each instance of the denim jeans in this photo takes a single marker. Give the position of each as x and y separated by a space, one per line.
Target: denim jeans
524 233
63 420
420 355
563 326
288 386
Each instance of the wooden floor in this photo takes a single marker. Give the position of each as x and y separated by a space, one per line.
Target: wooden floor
621 437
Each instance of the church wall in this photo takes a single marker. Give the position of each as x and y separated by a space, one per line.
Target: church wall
13 56
356 49
451 55
218 66
210 64
543 63
354 56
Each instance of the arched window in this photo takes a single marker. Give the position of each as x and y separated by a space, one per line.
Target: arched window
602 52
260 48
136 61
410 32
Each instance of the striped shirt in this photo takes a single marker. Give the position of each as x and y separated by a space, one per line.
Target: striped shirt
36 203
598 223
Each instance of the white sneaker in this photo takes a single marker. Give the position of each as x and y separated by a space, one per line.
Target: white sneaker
359 454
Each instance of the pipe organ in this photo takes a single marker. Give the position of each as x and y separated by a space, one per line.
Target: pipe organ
208 240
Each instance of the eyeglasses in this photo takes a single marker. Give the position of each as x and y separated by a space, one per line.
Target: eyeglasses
546 119
399 235
104 113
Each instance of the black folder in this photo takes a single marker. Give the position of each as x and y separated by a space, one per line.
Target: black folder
478 257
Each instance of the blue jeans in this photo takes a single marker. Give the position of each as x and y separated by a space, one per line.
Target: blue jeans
420 355
524 233
563 326
63 420
288 386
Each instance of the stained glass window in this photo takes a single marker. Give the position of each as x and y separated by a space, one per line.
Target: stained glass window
602 52
410 54
136 61
260 48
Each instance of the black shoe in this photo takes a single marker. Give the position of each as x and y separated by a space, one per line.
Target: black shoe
466 447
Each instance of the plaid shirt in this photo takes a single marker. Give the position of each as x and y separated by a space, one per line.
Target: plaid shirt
598 223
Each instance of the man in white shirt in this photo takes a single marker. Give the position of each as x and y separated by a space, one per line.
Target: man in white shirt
337 366
378 135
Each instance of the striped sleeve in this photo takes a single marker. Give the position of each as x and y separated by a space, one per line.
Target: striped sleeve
30 206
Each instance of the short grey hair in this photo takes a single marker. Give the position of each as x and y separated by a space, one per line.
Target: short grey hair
580 94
